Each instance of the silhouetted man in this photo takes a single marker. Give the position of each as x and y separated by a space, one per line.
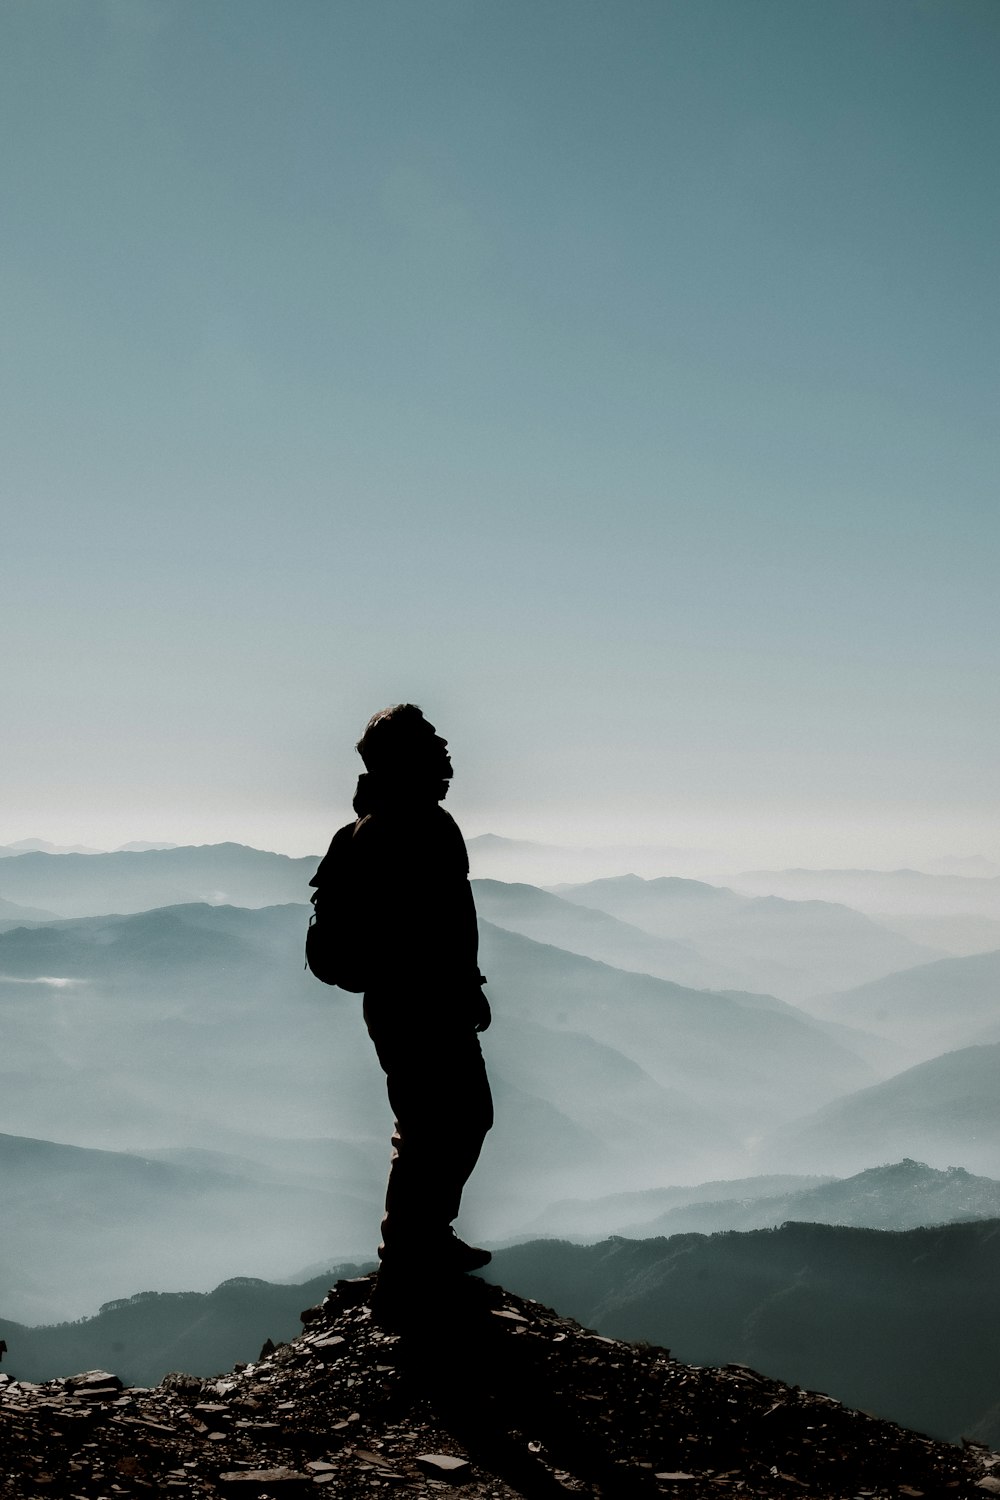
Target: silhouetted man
424 1003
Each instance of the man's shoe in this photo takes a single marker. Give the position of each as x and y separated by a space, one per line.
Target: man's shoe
458 1256
447 1255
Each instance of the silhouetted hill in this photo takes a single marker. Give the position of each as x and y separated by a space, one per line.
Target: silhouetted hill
943 1111
145 1336
933 1008
902 1324
478 1389
788 948
80 885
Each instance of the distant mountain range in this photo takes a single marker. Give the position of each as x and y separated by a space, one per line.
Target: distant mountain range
737 1061
926 1010
42 846
685 930
85 885
495 858
906 1195
12 915
195 1026
562 923
890 892
960 934
189 1034
588 1219
36 846
943 1111
793 949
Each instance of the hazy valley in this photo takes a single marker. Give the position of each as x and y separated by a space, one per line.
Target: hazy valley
182 1104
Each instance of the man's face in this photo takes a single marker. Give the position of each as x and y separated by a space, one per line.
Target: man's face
433 750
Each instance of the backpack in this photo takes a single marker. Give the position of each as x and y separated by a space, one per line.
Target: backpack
333 938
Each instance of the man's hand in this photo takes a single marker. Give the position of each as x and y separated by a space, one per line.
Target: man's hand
481 1006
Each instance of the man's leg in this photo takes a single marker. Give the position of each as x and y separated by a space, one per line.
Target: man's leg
443 1108
440 1097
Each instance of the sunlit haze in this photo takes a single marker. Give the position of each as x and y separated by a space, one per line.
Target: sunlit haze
616 381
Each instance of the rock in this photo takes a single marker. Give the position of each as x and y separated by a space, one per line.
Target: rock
444 1466
93 1380
213 1412
249 1481
188 1386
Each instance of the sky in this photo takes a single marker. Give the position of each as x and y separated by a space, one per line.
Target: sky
618 381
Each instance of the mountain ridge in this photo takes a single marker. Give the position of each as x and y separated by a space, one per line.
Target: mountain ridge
128 881
897 1196
786 947
926 1010
897 892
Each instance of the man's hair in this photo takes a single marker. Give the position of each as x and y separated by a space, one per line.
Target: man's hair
389 736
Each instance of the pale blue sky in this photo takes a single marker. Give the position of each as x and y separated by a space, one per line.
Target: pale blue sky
619 381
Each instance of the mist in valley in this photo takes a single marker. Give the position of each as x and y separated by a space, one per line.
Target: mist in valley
182 1102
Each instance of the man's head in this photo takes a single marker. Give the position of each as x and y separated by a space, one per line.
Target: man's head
399 743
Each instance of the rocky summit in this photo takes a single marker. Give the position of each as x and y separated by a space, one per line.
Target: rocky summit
473 1392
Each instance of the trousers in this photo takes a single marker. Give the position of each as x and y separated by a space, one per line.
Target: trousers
442 1106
